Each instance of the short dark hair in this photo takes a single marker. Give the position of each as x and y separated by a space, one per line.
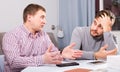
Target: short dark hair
106 12
31 9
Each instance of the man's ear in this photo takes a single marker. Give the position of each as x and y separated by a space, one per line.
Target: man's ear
29 17
112 21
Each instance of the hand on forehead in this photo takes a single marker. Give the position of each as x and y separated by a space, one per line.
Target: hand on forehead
104 17
105 20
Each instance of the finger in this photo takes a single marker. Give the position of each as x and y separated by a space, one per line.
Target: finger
72 45
104 47
104 15
49 48
55 53
56 59
73 58
56 62
77 55
56 56
77 51
80 53
60 58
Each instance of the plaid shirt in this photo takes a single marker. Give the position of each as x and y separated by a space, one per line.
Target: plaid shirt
23 49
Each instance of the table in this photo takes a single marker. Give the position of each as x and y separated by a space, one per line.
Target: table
82 64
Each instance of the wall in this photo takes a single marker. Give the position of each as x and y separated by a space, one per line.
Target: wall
11 13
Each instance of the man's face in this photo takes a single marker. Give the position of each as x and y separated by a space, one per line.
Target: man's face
96 28
38 20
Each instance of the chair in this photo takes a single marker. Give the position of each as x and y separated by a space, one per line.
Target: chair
1 63
117 35
1 53
1 36
52 37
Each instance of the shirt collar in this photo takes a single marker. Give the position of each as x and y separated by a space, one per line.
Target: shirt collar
28 33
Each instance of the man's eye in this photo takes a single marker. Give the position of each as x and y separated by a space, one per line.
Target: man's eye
100 26
42 17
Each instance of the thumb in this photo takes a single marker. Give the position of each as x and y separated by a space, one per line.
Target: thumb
71 45
104 47
49 48
110 52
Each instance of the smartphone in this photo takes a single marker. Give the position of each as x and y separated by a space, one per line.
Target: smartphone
67 64
96 62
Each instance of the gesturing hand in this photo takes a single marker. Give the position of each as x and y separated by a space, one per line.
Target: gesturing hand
70 53
102 53
52 57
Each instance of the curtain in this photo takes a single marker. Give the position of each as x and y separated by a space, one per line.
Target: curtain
74 13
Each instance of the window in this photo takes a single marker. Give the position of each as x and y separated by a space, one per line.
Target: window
114 6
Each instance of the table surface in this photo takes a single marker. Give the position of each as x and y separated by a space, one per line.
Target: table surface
82 64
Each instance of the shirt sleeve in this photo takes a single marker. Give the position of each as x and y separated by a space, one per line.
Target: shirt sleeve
11 50
76 37
111 41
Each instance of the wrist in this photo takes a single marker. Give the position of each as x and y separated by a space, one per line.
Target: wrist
43 59
107 29
95 56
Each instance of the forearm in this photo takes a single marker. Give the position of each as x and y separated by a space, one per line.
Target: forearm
22 62
114 51
109 40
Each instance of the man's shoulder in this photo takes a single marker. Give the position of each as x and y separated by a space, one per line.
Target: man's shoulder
14 31
82 28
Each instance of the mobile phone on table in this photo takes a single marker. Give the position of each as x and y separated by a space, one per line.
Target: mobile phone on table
67 64
96 62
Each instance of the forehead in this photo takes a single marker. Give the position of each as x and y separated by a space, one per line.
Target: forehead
40 13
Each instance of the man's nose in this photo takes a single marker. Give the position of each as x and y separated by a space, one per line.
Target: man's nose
95 27
44 21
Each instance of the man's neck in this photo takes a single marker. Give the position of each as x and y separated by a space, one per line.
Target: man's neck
98 37
29 28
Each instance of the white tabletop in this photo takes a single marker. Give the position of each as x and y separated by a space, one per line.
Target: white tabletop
82 64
